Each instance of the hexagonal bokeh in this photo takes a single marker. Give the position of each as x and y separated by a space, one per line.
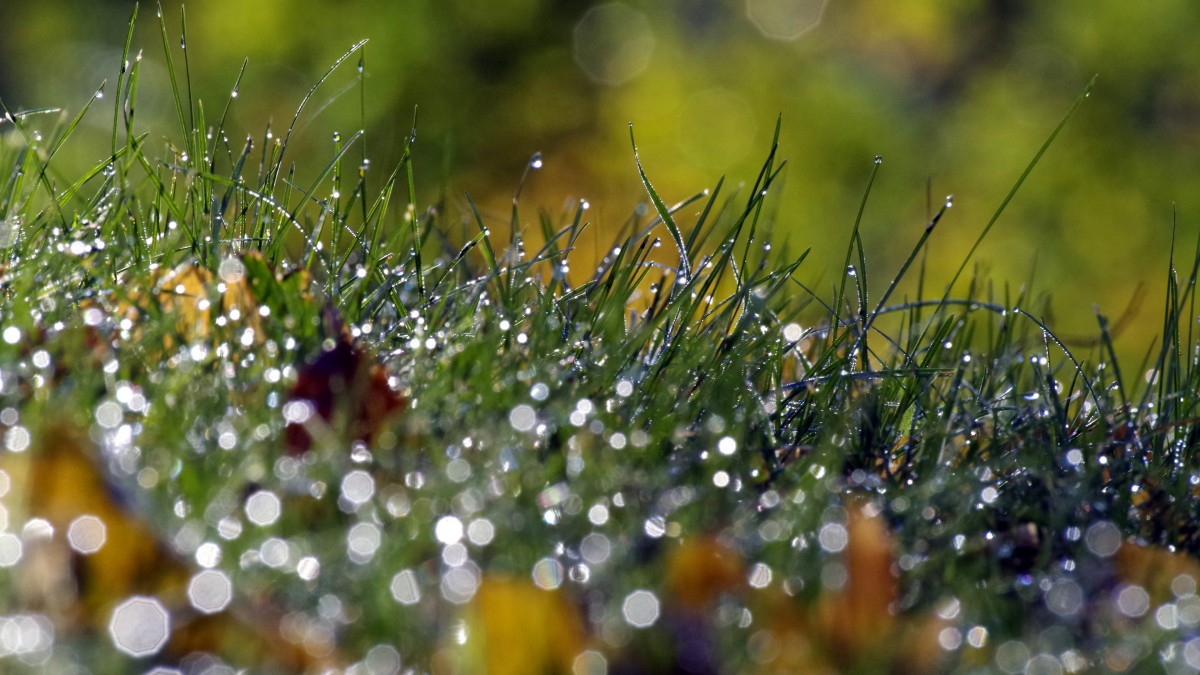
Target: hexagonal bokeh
785 19
405 589
613 42
358 487
10 549
86 534
29 637
640 609
140 626
263 508
382 660
210 591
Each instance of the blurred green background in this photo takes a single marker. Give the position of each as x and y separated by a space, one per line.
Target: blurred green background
954 94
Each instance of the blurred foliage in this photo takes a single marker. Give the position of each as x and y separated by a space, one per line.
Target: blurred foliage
955 96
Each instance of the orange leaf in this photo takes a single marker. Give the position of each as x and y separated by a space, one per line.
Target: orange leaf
348 392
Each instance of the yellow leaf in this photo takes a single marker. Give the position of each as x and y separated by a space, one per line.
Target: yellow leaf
516 628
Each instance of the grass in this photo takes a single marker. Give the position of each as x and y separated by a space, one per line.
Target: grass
322 427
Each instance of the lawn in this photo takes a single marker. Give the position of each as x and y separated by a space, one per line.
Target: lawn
266 411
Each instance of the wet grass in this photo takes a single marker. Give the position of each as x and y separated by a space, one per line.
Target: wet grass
324 427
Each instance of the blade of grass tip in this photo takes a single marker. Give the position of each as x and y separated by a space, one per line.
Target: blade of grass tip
118 99
685 264
170 64
377 213
131 106
1087 91
702 220
844 271
1164 372
708 221
868 320
766 176
552 252
489 253
201 190
1108 344
236 178
411 209
1188 297
330 167
334 205
304 102
364 162
220 132
860 281
73 191
69 130
516 245
15 117
194 127
1192 307
362 105
55 146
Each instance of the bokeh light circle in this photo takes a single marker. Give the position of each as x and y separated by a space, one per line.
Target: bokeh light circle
210 591
640 609
140 626
613 43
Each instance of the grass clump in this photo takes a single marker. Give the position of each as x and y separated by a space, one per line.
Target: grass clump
298 424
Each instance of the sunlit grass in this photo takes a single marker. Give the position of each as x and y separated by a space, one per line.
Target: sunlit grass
325 427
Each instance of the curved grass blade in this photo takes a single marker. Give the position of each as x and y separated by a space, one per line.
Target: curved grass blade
1087 91
685 265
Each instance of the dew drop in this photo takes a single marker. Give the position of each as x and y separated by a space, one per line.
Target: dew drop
535 162
878 160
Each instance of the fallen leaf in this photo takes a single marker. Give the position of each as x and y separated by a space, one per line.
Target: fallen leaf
347 391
